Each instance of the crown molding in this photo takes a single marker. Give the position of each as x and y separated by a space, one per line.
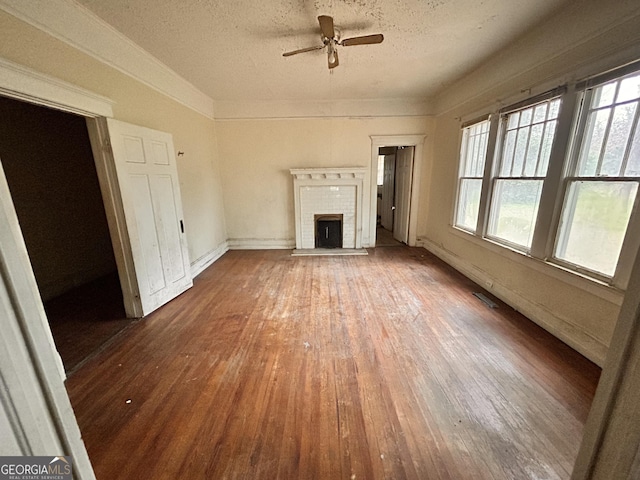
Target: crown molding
78 27
28 85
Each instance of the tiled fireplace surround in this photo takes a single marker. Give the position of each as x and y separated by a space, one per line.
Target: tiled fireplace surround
320 191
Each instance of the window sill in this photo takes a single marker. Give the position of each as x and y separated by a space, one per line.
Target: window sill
559 272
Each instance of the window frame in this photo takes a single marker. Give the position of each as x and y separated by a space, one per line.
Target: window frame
557 93
631 242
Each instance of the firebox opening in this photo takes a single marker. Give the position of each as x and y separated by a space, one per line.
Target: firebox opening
328 231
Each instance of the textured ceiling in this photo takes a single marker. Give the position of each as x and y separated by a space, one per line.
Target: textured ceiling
232 50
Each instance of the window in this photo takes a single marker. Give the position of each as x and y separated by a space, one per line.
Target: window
472 158
527 137
603 183
562 176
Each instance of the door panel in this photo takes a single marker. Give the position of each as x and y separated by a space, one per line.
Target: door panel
148 180
149 267
166 214
404 172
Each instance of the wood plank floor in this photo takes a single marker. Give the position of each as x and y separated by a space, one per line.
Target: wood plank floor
368 367
84 319
384 238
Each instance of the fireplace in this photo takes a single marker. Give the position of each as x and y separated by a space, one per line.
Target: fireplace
328 231
333 195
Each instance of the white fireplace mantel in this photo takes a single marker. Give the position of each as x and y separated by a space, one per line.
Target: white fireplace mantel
332 190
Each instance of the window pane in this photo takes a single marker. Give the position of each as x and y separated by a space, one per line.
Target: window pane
474 149
545 152
531 161
525 117
594 222
514 210
540 113
469 203
472 159
592 144
527 140
474 154
603 95
623 116
629 89
521 148
479 170
633 164
554 109
507 154
513 120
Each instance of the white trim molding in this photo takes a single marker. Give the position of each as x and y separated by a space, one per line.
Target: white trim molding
80 28
28 85
205 261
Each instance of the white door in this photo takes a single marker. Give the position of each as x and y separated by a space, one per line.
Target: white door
388 186
148 179
404 173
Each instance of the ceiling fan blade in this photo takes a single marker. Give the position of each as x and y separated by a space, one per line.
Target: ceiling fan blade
302 50
335 62
326 25
364 40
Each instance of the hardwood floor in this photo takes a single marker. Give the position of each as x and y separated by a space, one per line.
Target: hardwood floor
384 238
85 319
353 367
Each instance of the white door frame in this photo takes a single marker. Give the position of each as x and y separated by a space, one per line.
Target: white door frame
377 141
33 398
27 85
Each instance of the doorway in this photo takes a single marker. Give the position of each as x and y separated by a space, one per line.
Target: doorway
50 170
409 153
394 182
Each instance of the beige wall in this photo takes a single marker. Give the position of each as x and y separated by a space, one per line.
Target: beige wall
586 38
136 103
256 156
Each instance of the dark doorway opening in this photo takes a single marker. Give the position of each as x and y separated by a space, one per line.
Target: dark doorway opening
48 163
328 231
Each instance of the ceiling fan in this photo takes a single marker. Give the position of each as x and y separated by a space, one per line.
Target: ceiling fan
331 39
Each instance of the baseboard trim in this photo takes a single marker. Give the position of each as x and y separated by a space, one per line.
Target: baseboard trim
206 260
559 327
261 243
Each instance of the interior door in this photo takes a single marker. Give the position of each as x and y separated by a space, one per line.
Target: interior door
404 173
388 187
145 165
